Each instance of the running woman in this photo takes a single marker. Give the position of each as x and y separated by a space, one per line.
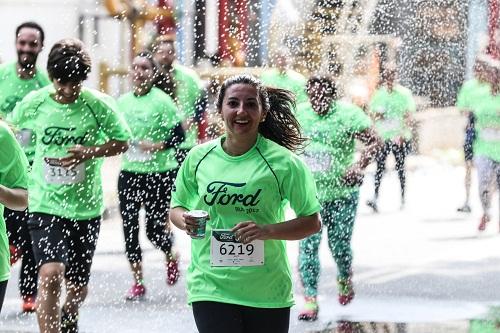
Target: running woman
13 194
187 92
392 107
333 128
239 279
74 128
487 148
470 95
148 168
17 79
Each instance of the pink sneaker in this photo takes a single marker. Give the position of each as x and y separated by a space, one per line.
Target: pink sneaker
346 291
29 304
173 272
136 292
484 221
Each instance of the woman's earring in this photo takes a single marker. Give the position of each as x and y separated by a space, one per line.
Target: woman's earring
263 120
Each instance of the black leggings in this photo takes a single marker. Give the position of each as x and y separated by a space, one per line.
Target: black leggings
3 289
215 317
152 190
400 152
19 236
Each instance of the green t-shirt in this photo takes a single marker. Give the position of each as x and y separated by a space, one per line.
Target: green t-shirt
91 120
393 107
12 90
290 80
487 126
254 186
331 149
150 117
472 93
188 88
13 174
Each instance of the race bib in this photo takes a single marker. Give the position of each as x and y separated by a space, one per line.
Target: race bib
490 134
136 154
24 137
62 176
318 162
226 251
389 124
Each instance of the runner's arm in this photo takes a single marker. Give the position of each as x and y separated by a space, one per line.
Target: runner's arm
14 198
295 229
80 154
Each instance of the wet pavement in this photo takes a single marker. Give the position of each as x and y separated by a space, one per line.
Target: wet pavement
421 269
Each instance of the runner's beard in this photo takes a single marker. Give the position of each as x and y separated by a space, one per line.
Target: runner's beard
26 61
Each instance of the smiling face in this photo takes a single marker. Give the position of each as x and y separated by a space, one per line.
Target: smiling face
165 54
67 92
142 73
242 111
320 96
28 46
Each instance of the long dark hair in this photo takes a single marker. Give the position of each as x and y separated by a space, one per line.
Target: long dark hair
280 124
161 80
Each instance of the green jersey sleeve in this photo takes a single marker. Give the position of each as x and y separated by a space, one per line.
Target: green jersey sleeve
299 188
13 162
24 113
185 190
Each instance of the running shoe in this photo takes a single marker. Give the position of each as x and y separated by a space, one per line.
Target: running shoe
311 309
69 323
482 224
464 209
346 290
29 304
136 292
373 205
173 272
15 254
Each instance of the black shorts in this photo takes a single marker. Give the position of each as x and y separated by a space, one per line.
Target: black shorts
470 136
68 241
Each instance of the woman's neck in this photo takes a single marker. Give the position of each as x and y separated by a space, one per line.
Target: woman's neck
237 146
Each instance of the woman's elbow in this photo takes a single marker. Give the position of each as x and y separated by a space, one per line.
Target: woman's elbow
315 223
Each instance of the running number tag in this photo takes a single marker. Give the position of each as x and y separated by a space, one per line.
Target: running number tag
226 251
58 175
490 134
136 154
24 137
389 124
318 161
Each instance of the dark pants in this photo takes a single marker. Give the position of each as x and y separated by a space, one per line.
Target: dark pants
215 317
400 152
153 191
3 289
19 236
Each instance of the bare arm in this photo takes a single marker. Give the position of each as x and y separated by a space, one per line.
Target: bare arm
294 229
373 143
80 154
14 198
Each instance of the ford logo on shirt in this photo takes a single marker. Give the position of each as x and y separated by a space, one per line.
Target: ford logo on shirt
224 193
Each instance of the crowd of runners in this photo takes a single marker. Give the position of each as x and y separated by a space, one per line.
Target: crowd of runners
288 141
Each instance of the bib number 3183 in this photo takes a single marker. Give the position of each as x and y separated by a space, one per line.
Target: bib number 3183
226 251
